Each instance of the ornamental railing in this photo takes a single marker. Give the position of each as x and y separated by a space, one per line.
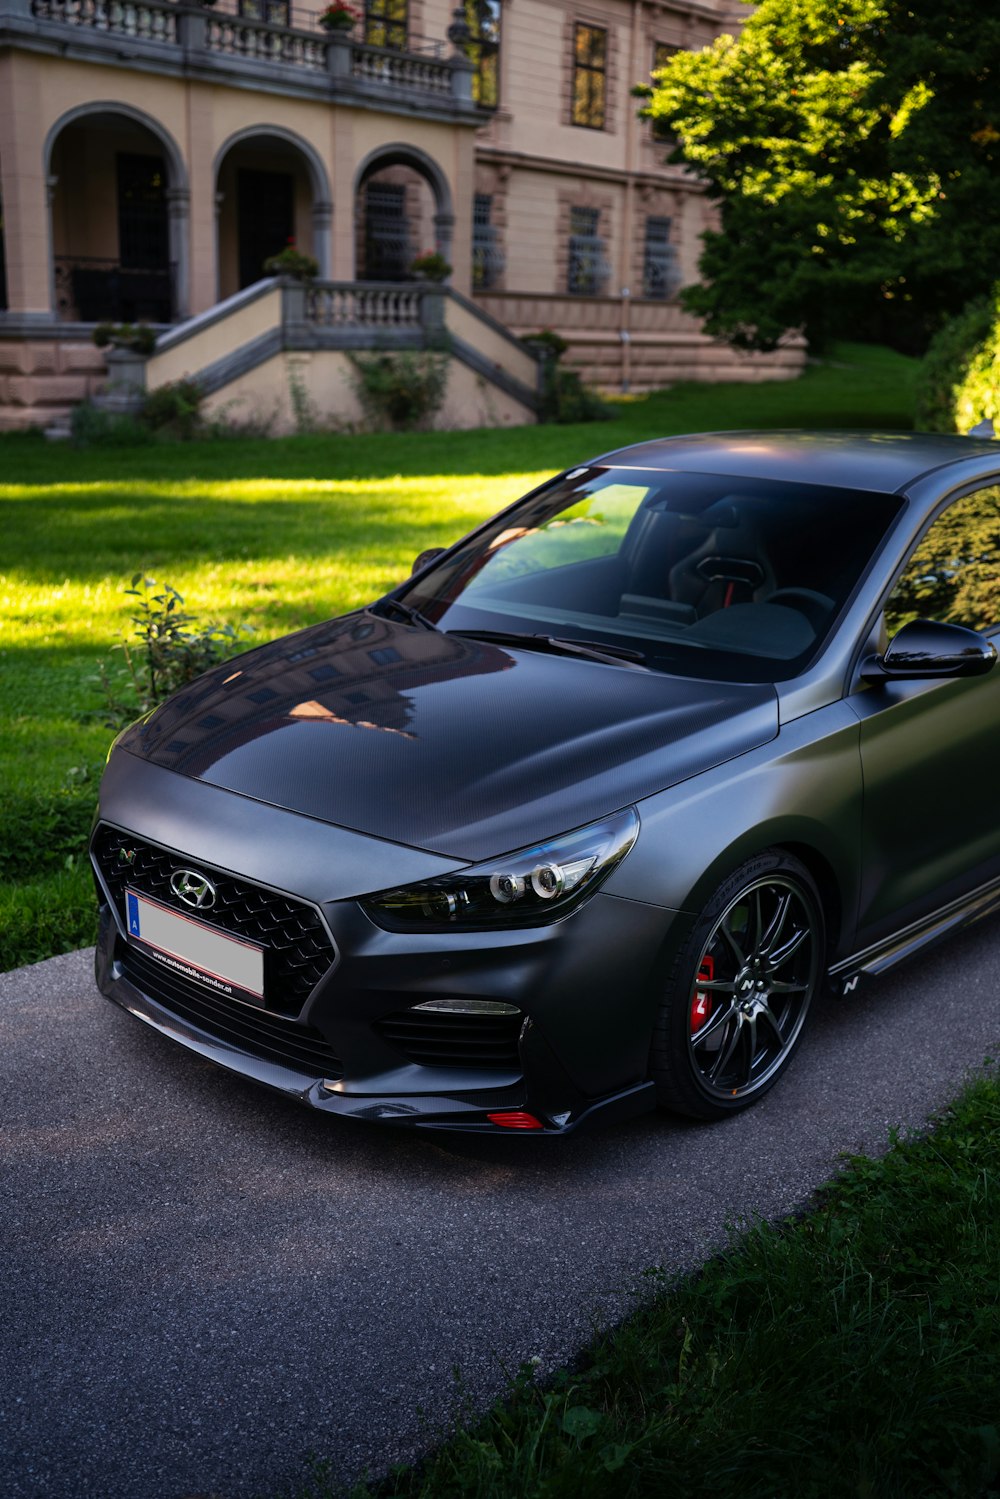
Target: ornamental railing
357 305
150 19
266 41
181 33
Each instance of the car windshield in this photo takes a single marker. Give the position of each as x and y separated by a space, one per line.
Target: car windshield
701 575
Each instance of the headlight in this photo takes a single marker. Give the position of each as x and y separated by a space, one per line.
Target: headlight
526 888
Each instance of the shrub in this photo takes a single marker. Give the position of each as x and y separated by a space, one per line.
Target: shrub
174 409
947 365
566 399
402 390
168 648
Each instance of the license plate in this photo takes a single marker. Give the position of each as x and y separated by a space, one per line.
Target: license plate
195 950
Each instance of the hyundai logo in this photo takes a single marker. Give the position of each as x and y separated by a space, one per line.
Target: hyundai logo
193 889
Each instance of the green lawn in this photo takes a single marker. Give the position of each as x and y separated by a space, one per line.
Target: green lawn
277 534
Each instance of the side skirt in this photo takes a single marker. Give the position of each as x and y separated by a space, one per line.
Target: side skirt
882 956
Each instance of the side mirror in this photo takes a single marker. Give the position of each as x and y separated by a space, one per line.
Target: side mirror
426 558
925 648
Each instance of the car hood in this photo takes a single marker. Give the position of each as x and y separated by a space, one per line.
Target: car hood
455 746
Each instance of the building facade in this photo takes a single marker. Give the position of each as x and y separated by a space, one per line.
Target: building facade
155 153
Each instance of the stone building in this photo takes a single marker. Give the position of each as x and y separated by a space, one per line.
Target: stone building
154 153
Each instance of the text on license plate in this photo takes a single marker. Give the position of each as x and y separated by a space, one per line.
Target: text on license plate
195 950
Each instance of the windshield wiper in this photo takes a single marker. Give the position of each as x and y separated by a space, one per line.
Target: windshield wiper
592 650
405 611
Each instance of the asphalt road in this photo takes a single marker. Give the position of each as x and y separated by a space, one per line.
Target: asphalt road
201 1284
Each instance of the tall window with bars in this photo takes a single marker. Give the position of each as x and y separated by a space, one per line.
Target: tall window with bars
662 53
660 273
483 50
386 23
588 268
590 76
487 256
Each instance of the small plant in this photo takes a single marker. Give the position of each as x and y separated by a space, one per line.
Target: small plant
565 399
547 341
174 409
139 337
431 266
402 390
168 648
338 16
292 262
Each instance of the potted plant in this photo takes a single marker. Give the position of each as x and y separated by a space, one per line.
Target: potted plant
430 265
338 16
291 262
138 338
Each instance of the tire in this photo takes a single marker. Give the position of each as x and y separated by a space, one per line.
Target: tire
740 990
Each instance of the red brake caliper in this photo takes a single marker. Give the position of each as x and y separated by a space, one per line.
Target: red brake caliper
701 1003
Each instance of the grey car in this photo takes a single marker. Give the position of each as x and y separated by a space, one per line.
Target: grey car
588 814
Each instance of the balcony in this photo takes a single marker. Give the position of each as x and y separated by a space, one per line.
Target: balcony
193 41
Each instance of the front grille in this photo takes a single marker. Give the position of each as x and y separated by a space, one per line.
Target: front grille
446 1039
256 1032
297 950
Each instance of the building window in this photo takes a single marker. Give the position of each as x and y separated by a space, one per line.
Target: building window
278 12
590 76
386 23
588 263
660 276
662 53
483 49
487 256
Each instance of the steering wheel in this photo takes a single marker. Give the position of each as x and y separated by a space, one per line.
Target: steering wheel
817 607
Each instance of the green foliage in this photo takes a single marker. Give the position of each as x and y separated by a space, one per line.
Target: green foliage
548 341
51 914
566 399
403 390
853 1352
291 262
431 265
854 152
947 364
174 409
168 648
137 336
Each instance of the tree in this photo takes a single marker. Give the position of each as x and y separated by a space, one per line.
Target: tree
852 147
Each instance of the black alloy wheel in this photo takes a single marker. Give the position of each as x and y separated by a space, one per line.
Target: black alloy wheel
741 990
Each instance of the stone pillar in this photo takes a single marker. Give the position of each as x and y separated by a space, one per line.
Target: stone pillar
126 385
24 124
338 55
178 224
444 233
322 224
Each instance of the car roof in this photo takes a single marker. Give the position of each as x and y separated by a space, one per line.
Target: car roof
885 462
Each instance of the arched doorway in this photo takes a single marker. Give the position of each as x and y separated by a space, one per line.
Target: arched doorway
272 190
402 208
118 190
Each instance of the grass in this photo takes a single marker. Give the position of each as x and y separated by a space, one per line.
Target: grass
854 1351
278 534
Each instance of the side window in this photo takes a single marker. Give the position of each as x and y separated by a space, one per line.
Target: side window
954 574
